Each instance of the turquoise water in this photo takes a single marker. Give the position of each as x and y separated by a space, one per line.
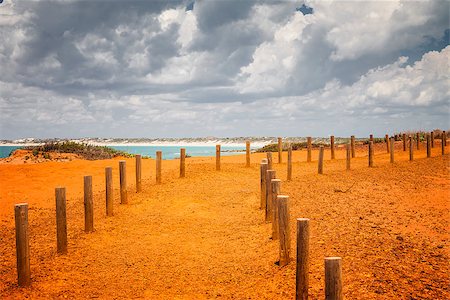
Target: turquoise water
169 152
6 150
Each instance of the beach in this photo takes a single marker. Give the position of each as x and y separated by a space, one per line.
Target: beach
204 236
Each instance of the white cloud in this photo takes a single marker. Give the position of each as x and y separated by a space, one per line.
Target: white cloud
227 67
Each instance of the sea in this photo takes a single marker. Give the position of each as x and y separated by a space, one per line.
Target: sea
169 152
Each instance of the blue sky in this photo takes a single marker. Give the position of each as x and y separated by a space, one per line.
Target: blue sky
222 68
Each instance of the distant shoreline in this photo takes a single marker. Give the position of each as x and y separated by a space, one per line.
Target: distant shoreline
156 144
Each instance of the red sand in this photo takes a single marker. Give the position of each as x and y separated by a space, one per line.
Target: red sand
204 236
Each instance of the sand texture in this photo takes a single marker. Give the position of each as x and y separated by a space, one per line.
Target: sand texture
204 236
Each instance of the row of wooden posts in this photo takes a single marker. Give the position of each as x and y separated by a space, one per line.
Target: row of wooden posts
276 207
21 209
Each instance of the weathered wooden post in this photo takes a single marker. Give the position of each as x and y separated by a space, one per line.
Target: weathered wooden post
333 278
158 166
370 154
444 138
217 157
263 169
332 146
276 188
269 160
123 182
22 244
309 149
280 150
138 173
352 143
347 149
302 267
443 142
404 141
432 139
247 154
270 174
411 148
429 145
182 162
289 166
320 168
386 138
61 220
109 191
284 229
371 138
418 140
392 149
88 205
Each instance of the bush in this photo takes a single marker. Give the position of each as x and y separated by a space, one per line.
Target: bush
295 146
86 151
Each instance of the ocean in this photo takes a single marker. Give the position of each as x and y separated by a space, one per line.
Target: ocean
169 152
6 150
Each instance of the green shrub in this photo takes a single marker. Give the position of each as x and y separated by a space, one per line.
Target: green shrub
86 151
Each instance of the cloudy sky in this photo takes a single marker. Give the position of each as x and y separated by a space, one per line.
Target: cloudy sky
222 68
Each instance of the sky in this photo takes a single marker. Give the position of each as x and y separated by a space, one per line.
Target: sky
224 68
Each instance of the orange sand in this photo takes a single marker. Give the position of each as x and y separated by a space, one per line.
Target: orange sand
204 236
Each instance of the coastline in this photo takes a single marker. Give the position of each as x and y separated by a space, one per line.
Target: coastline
212 143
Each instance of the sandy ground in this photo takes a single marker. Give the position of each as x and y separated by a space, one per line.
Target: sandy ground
204 236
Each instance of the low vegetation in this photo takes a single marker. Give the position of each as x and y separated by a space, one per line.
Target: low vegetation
86 151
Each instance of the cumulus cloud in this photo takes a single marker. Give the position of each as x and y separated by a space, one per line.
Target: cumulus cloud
77 68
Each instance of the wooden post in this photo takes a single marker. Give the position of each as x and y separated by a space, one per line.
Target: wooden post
61 220
263 169
276 187
392 149
332 146
88 205
218 157
432 139
182 162
386 138
320 168
352 143
371 138
138 173
429 145
280 150
309 149
443 142
109 191
302 267
418 140
269 160
22 244
270 174
289 166
333 278
284 229
411 148
347 148
444 138
370 154
123 182
247 154
404 141
158 166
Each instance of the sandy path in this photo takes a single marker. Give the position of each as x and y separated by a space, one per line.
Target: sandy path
204 236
